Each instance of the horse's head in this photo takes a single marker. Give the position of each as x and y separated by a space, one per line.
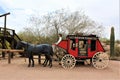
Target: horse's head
21 44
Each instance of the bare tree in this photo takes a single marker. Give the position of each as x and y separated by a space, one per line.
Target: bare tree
61 21
64 21
54 22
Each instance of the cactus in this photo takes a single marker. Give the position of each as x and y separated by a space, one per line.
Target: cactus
112 42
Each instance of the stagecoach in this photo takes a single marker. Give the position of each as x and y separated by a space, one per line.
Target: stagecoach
80 48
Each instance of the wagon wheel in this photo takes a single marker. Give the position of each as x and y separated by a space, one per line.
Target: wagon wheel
100 60
68 61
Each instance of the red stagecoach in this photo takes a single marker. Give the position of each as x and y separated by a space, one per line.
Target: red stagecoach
80 48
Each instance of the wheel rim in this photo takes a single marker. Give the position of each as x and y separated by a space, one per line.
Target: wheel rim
68 61
100 60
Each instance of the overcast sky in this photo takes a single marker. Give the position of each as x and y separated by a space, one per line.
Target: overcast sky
105 12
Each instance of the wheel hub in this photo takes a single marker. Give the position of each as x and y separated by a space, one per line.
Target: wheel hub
100 60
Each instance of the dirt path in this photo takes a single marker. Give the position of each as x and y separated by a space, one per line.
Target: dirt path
18 70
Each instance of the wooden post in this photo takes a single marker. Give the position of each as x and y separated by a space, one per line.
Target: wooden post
4 38
9 58
3 47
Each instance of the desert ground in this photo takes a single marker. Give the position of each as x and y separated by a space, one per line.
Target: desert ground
18 70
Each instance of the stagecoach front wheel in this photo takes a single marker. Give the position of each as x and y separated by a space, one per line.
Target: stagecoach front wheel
100 60
68 61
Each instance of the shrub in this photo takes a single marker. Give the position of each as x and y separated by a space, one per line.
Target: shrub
117 51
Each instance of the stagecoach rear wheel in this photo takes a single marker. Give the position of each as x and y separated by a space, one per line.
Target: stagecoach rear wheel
68 61
100 60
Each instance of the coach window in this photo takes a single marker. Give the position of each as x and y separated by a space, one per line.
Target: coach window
93 45
72 44
82 44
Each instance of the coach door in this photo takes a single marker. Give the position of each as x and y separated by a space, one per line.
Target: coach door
82 47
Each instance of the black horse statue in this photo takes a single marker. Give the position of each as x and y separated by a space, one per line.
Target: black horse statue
31 49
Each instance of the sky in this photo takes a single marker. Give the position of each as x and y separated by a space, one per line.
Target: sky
104 12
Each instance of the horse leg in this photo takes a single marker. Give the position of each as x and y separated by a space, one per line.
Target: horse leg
50 61
32 61
29 62
39 59
46 61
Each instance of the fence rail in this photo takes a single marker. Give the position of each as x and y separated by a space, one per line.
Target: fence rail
9 51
